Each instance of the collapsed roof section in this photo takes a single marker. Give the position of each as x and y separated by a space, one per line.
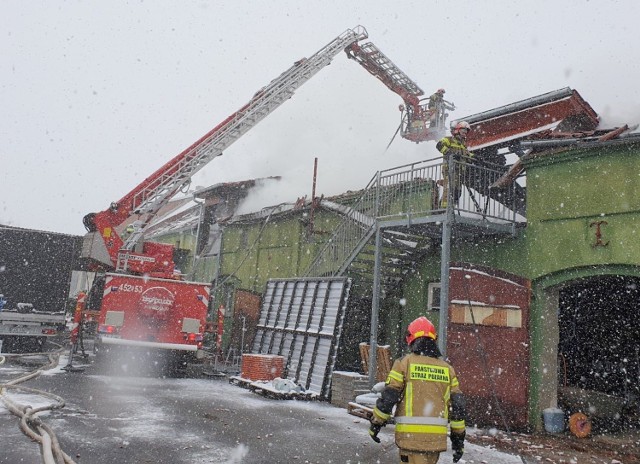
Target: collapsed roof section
548 143
563 110
558 119
548 121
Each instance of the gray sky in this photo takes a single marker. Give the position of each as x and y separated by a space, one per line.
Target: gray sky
97 95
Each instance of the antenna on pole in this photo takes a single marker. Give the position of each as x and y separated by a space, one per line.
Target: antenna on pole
313 196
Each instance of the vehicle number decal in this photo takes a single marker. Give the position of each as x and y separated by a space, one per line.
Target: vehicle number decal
130 288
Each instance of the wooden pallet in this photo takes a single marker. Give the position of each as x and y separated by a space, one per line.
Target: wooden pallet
265 389
359 410
383 360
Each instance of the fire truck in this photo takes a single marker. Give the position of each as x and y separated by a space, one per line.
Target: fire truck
139 298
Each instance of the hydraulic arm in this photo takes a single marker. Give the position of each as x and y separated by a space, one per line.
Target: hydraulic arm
417 123
106 246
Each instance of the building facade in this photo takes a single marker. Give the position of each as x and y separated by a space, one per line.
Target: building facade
540 314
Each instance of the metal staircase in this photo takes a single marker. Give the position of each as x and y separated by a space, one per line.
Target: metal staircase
404 203
401 252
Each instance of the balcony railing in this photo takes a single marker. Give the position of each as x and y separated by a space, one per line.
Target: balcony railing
411 192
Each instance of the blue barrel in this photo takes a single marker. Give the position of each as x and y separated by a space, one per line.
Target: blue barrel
553 420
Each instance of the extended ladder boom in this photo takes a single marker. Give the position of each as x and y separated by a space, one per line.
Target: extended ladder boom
165 182
154 192
418 123
376 62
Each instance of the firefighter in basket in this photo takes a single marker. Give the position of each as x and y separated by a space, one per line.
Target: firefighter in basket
426 393
437 108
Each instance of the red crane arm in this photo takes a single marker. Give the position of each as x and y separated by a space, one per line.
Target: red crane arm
103 243
418 124
374 61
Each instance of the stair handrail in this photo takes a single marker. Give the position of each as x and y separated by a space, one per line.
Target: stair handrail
358 219
380 201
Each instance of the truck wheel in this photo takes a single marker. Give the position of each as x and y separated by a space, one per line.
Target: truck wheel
100 360
580 425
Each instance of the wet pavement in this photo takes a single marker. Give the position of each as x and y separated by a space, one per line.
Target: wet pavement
123 419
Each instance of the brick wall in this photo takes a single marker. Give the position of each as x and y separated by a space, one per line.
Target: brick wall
345 386
262 366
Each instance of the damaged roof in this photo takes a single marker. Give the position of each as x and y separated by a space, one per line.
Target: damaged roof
562 110
549 143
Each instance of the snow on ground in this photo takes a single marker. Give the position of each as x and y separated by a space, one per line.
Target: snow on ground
150 418
150 421
26 399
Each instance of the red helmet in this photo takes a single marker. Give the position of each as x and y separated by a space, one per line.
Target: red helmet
421 327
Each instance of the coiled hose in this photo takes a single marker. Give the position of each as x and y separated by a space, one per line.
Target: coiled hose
30 424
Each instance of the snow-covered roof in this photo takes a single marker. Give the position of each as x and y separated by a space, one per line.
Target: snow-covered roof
183 217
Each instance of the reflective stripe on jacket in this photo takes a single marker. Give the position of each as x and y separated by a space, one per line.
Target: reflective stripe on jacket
422 415
462 156
447 143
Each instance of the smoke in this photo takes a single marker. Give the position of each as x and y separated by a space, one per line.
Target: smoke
267 192
615 117
338 175
312 126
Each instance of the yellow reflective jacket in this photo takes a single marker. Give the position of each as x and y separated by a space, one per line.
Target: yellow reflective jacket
447 143
425 386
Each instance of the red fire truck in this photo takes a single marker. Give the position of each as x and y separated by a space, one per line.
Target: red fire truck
142 303
158 314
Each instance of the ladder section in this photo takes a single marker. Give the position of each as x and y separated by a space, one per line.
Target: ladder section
377 63
418 123
169 179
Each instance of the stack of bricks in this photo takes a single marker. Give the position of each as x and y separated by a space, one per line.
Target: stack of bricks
345 386
262 366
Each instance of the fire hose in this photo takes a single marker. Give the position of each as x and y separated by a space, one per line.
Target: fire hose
30 424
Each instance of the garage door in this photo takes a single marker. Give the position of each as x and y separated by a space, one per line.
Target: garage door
488 342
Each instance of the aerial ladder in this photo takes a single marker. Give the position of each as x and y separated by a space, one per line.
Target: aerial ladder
104 247
418 123
107 246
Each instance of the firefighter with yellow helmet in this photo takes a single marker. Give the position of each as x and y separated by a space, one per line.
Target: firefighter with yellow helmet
427 396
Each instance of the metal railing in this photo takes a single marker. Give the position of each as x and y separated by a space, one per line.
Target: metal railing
412 191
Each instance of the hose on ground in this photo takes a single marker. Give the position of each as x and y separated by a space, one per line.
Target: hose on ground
30 424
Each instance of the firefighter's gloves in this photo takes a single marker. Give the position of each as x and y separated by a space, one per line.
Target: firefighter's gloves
457 445
374 429
378 420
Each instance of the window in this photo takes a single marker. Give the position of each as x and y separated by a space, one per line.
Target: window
433 296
